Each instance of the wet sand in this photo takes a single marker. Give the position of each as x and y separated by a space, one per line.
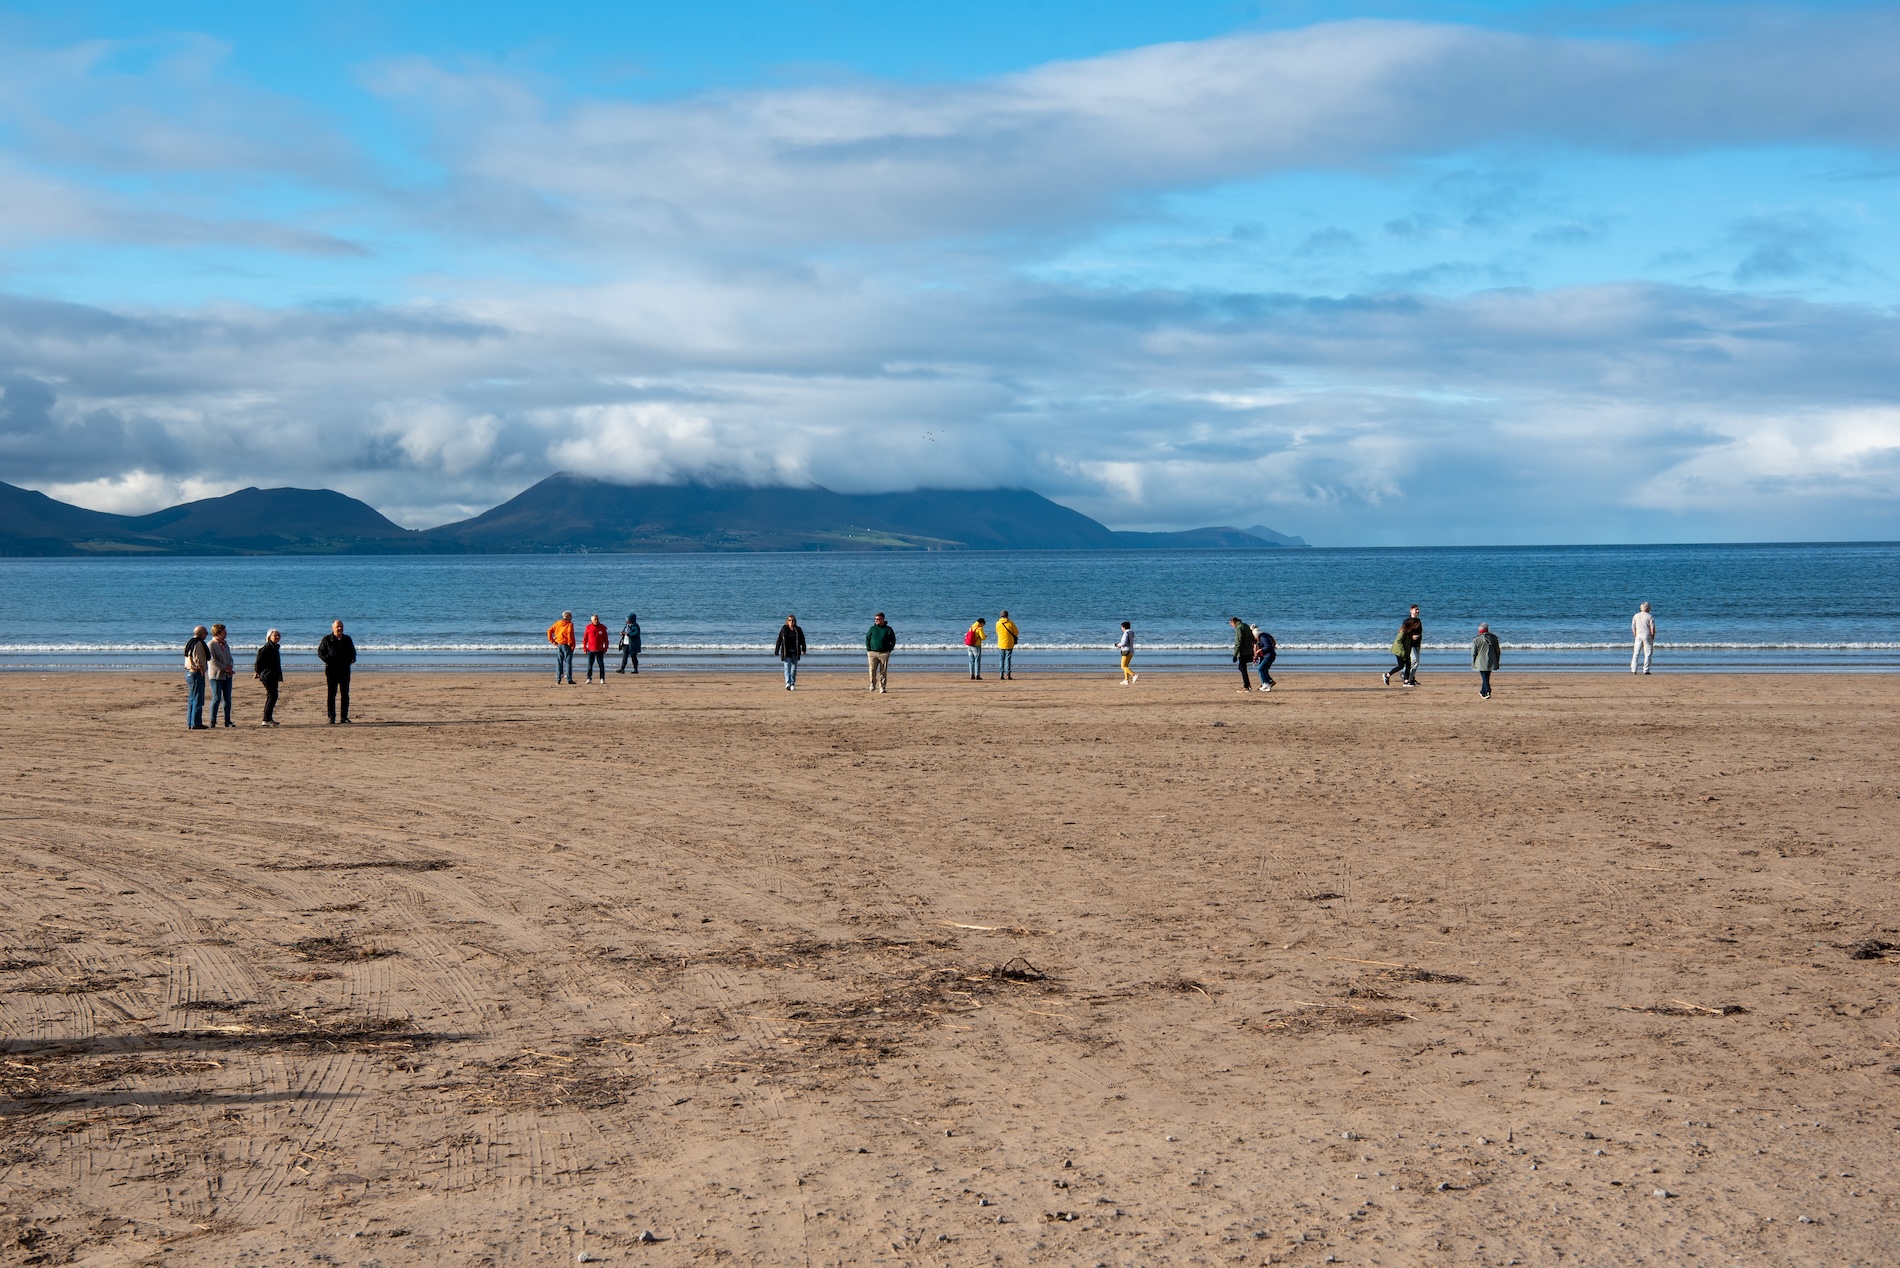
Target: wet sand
1044 971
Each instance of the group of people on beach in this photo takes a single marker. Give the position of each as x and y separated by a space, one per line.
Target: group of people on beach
593 641
210 663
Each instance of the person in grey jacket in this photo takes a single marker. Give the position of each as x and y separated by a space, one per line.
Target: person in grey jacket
1486 655
221 670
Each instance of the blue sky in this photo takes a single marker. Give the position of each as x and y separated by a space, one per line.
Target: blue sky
1374 273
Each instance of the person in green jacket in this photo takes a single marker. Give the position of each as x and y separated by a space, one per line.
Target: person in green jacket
879 642
1486 656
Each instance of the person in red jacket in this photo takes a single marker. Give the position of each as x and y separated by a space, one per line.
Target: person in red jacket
594 643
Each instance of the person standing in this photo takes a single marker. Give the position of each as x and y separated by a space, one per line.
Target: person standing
222 670
1643 630
268 669
561 634
197 657
879 642
1265 649
630 643
973 639
1486 655
337 651
1006 636
1408 647
594 643
790 649
1243 649
1126 646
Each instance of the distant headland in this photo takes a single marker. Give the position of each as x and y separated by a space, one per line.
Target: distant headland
568 513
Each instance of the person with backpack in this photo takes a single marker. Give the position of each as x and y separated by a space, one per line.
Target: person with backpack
337 651
1126 646
790 649
222 670
879 642
561 634
1486 656
197 657
268 669
594 643
1265 649
1006 639
630 643
1243 649
973 639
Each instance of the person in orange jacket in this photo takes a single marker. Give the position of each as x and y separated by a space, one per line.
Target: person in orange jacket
594 643
561 634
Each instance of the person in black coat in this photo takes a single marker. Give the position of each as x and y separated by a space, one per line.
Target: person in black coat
337 653
269 670
630 643
790 648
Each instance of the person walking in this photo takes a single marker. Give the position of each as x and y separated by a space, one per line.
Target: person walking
1265 649
561 634
1006 637
1643 630
879 642
630 643
197 657
222 670
973 639
337 651
1408 647
1126 646
268 669
790 649
1486 655
594 643
1243 649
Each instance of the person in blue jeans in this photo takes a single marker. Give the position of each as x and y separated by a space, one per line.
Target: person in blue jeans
1265 650
222 670
197 657
789 648
973 640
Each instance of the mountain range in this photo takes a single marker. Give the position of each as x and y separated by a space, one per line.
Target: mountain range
572 513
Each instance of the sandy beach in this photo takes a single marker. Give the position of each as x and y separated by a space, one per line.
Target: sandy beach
1046 971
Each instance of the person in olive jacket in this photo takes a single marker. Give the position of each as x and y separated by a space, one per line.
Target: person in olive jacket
879 642
338 653
790 648
1243 649
1486 655
268 669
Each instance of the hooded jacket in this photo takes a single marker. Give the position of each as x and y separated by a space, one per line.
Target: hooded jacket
561 633
630 637
1243 642
880 638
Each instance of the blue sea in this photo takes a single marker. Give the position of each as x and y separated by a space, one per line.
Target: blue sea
1741 607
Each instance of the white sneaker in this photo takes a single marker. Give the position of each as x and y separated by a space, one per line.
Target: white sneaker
1134 678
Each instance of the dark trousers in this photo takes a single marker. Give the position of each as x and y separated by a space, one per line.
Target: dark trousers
597 658
270 699
221 697
629 657
337 686
1246 683
194 701
1266 669
1484 682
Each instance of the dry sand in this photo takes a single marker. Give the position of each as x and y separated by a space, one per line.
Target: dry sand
1046 971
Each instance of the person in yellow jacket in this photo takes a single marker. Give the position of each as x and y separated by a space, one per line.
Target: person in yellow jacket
973 640
561 634
1005 645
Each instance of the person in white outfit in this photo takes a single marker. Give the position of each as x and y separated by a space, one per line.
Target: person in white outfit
1643 630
